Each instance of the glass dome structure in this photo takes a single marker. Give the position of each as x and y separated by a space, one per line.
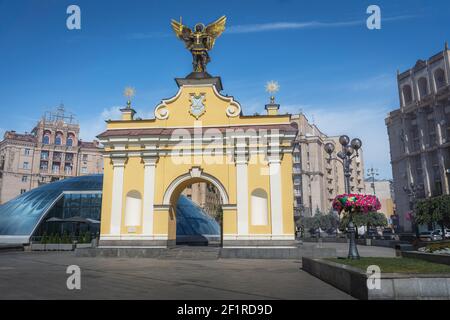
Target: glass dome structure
194 225
20 216
44 210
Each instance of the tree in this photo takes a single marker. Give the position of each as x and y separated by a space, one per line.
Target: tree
376 219
433 210
370 219
319 221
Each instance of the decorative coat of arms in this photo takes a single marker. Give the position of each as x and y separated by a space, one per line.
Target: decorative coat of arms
197 105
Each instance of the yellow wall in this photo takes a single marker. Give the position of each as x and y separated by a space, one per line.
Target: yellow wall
167 170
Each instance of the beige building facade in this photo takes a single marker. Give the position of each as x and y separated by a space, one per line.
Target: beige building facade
384 191
317 180
52 151
419 133
206 196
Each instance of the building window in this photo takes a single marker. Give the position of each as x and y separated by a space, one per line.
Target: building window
58 138
417 166
27 151
85 157
260 212
24 178
44 155
407 94
415 140
133 209
432 138
434 160
43 166
68 170
46 139
439 78
57 156
423 87
22 191
84 170
26 165
55 168
70 139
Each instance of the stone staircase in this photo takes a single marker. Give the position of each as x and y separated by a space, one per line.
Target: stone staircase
191 253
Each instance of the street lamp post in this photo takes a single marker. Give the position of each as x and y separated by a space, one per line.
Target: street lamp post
345 156
412 192
372 173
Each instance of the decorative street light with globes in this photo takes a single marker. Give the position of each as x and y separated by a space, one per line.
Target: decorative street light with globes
345 156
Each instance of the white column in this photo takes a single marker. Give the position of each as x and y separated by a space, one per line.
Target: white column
276 204
149 194
117 195
242 195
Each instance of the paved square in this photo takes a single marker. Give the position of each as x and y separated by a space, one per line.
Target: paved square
42 275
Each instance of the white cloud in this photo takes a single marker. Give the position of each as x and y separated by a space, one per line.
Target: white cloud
274 26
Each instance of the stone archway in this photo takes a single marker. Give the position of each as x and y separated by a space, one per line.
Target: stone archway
195 173
159 157
176 187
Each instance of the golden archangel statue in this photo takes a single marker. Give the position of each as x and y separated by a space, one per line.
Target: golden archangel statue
199 41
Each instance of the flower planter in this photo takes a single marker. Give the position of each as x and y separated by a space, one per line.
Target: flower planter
52 247
37 247
83 245
66 247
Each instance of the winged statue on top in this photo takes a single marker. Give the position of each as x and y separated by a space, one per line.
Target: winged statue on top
199 41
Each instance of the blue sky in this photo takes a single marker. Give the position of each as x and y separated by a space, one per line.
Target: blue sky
328 64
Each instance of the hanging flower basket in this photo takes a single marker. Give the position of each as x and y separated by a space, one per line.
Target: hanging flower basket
353 203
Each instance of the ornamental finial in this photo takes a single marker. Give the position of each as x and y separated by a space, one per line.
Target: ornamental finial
272 87
129 92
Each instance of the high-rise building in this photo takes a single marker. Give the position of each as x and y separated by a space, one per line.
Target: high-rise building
419 134
52 151
317 180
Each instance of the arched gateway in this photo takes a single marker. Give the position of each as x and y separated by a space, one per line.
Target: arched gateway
198 135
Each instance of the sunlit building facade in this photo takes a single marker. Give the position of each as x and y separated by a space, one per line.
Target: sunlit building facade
50 152
419 134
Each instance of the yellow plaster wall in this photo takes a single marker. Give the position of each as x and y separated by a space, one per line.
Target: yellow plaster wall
133 179
258 174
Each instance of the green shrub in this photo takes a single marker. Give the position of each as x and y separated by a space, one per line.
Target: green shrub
44 238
